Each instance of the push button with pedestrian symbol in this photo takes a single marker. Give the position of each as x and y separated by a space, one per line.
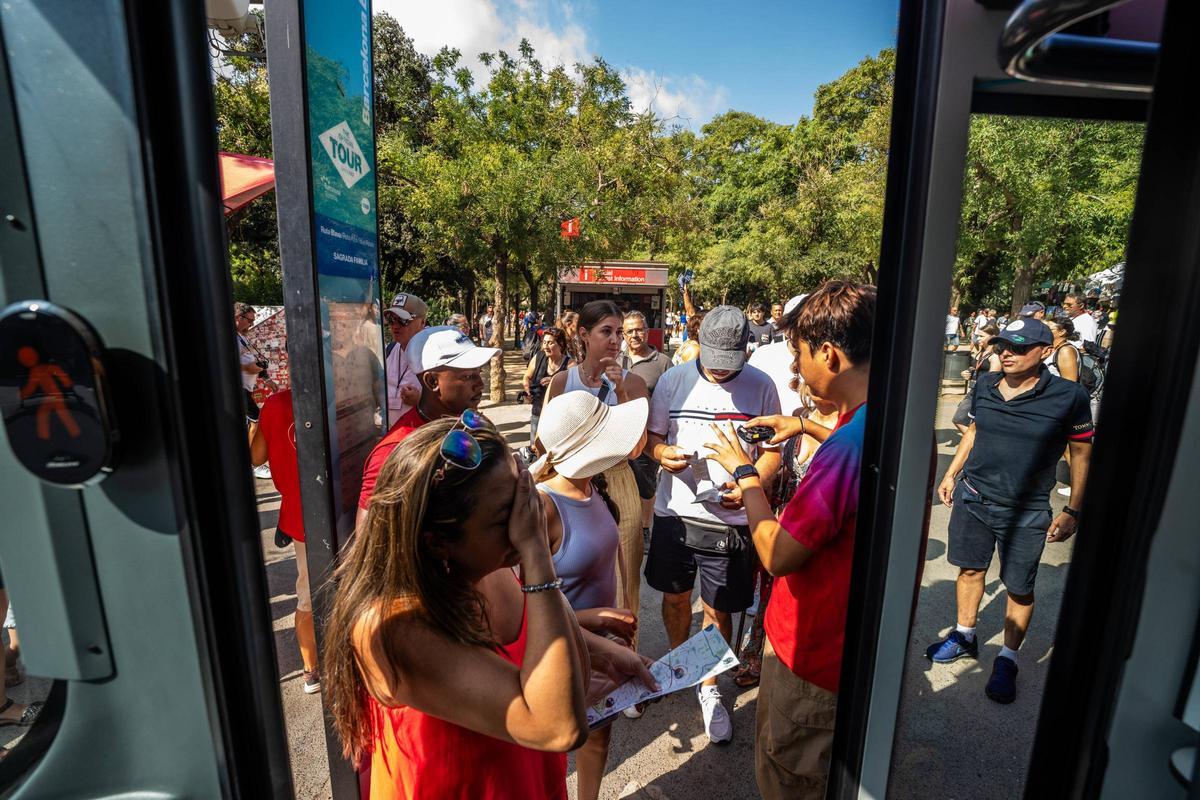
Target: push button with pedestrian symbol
53 394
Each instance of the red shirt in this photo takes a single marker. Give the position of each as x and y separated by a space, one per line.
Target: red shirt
279 430
408 423
806 616
421 757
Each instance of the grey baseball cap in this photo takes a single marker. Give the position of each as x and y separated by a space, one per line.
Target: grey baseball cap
724 334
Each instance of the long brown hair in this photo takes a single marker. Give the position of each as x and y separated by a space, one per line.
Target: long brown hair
391 559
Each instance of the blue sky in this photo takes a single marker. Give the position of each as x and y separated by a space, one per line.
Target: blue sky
689 60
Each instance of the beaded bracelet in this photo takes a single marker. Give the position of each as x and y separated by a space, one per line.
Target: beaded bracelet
543 587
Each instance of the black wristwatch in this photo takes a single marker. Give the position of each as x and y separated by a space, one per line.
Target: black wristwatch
744 471
1070 512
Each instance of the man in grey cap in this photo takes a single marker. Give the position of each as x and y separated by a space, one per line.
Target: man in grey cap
699 521
405 318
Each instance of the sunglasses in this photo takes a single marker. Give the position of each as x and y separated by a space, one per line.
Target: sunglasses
1017 349
459 446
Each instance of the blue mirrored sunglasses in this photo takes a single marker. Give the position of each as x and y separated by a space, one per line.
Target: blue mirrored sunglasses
459 446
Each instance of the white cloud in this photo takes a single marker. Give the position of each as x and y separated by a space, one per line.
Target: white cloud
552 27
479 26
686 99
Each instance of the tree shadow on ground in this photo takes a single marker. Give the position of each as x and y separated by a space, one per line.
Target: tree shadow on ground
948 730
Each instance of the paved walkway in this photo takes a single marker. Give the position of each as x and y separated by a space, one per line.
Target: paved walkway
951 741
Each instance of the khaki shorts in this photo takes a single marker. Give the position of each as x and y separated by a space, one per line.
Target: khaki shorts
303 596
794 727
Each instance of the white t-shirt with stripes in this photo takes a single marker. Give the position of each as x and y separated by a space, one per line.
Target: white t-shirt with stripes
683 409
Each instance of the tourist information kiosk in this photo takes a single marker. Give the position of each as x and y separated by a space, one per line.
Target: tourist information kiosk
632 285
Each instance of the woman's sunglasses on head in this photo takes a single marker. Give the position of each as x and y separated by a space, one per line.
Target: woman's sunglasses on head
459 446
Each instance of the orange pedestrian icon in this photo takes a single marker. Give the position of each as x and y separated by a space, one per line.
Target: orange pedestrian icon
52 382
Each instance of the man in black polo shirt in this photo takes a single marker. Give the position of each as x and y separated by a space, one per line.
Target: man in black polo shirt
1022 418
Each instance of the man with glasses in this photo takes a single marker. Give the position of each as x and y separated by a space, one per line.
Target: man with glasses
447 364
1085 324
405 318
1022 419
649 364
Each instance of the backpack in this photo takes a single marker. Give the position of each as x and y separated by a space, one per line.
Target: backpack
1092 362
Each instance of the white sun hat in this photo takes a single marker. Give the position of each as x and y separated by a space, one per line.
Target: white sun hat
445 346
583 437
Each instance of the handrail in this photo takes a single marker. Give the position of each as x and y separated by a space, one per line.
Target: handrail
1031 48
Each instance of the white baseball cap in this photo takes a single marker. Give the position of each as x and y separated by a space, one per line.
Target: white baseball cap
583 437
445 346
795 301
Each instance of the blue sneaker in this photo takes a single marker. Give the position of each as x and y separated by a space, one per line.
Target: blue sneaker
952 648
1002 686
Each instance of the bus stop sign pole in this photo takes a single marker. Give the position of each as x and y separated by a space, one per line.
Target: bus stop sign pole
322 125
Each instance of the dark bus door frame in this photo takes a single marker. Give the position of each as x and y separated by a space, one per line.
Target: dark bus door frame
936 90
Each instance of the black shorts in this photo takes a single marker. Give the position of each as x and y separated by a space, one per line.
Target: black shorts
251 406
726 581
978 527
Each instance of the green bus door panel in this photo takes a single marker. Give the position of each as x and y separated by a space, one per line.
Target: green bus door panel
97 576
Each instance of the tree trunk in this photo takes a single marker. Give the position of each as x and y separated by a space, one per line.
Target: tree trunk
500 301
533 289
1023 281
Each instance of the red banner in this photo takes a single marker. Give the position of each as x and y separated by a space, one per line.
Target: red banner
570 228
611 275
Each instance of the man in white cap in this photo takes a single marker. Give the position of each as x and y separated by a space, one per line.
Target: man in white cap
699 521
447 364
776 360
405 318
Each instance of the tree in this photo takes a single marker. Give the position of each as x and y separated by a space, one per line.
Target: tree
1043 200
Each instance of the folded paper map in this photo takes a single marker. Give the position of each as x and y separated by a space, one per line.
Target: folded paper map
704 655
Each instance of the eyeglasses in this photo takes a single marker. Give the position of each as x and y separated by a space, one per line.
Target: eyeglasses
459 446
247 315
1017 349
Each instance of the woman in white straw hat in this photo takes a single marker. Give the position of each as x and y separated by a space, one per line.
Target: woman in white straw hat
583 437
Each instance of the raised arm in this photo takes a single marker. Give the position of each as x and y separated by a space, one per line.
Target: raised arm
539 705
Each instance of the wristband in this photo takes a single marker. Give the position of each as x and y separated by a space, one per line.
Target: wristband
543 587
1070 512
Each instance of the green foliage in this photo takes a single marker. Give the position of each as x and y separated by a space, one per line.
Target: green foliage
1043 200
473 181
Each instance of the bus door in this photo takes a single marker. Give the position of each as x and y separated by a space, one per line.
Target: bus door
1108 697
129 544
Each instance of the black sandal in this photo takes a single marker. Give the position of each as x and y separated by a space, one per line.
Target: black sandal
27 718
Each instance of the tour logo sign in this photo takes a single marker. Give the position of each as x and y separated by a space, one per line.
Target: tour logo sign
343 150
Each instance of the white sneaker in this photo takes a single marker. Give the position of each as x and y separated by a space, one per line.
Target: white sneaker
634 711
263 472
717 723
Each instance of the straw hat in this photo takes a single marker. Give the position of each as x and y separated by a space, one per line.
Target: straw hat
583 437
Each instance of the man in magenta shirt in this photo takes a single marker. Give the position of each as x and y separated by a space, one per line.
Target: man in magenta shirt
810 548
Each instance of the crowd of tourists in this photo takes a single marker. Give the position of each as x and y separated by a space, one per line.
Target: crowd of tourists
489 596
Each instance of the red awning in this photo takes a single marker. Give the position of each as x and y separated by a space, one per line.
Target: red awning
244 178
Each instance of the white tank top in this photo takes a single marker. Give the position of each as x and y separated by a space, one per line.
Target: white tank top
576 384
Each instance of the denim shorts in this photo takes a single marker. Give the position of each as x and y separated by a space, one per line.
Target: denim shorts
979 527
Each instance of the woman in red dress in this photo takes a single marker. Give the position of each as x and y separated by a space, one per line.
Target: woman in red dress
452 675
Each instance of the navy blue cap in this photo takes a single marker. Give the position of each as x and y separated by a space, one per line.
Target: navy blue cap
1027 331
1029 309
